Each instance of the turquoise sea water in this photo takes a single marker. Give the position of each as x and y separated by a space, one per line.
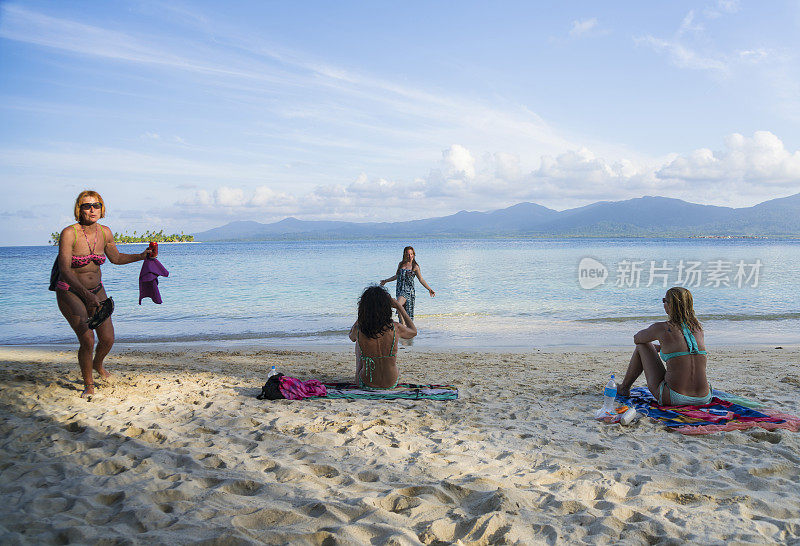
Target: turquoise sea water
507 294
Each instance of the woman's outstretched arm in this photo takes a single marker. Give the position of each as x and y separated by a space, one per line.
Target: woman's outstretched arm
390 279
115 256
418 271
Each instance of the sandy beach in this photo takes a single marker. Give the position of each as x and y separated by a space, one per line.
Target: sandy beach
177 449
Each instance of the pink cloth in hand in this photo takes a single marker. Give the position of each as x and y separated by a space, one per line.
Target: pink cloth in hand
148 279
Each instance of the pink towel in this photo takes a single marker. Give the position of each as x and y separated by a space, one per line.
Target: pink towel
294 389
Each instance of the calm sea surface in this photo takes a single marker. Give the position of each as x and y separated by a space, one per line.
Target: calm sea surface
506 294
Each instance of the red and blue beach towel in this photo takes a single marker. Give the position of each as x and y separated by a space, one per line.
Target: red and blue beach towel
724 412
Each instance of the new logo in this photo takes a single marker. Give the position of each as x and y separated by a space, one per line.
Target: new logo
591 273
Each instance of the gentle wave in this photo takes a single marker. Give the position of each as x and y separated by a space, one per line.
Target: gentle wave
450 315
211 336
734 317
200 336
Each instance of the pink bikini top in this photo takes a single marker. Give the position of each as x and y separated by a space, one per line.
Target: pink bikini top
81 261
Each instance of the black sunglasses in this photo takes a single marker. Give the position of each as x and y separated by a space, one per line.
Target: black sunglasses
87 206
663 300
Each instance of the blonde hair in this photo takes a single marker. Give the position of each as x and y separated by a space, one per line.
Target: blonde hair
94 195
680 308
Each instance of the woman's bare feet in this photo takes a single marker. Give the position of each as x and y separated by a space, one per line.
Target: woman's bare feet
88 390
623 390
101 371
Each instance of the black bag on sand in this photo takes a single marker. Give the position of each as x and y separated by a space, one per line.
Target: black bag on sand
271 389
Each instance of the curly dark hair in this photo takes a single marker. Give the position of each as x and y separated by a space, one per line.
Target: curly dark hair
374 311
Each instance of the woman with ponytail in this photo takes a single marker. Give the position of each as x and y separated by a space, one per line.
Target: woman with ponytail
681 379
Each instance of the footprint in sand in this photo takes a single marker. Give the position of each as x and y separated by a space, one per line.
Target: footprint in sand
109 468
267 518
153 437
74 427
766 436
283 475
368 476
487 529
496 501
426 490
213 462
50 505
399 503
323 470
784 469
110 499
245 488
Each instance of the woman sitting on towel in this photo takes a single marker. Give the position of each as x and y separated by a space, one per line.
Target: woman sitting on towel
681 379
375 335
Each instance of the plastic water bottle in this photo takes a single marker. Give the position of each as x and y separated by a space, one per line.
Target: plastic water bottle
272 371
609 398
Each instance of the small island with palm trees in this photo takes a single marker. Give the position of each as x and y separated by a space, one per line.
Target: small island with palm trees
146 237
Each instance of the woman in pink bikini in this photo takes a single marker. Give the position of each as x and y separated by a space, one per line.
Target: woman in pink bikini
76 280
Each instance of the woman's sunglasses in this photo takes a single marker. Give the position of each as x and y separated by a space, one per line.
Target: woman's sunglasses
87 206
663 300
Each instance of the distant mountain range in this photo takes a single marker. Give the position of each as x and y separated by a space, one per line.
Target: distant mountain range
641 217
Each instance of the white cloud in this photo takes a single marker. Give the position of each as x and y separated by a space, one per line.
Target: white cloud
692 47
506 165
684 56
689 25
458 162
721 8
226 196
762 160
580 28
202 197
266 196
748 171
229 197
363 186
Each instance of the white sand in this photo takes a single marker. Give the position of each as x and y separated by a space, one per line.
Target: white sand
178 450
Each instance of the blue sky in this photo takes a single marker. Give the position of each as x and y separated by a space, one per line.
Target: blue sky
189 115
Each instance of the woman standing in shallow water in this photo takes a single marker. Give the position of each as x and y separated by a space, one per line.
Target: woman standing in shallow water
76 280
407 269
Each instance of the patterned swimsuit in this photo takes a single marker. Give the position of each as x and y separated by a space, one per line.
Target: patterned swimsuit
405 288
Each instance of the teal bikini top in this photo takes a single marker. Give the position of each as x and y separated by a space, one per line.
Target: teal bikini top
369 361
691 344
